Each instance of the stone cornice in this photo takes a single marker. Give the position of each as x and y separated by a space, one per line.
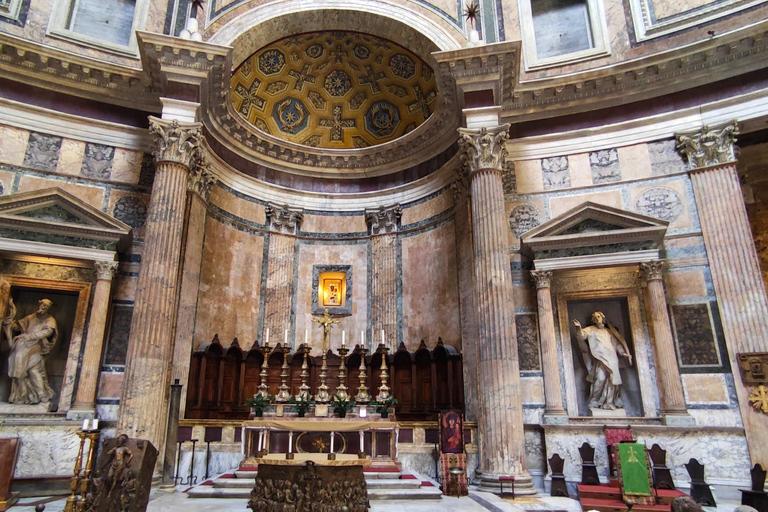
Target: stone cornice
715 59
50 68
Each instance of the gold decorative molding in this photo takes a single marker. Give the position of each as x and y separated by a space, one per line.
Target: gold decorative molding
384 220
283 219
759 399
176 142
484 148
710 146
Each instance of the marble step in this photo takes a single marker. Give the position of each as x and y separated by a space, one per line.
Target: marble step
373 483
369 475
209 491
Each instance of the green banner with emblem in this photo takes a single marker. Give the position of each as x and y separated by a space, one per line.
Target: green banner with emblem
636 478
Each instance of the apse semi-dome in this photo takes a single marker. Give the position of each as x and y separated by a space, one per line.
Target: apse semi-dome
335 90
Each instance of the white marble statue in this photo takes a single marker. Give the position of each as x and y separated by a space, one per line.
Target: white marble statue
601 346
26 364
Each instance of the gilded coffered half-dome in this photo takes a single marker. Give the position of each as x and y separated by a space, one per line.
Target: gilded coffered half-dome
335 90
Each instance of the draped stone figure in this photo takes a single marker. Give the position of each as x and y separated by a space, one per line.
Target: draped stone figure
601 347
26 363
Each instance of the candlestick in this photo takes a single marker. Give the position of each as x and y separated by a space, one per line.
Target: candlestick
303 393
362 391
264 375
322 395
285 392
341 389
383 389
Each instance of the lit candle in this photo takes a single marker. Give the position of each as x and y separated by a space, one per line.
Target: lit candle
261 435
362 442
95 424
332 438
285 339
382 337
85 424
266 338
306 337
290 441
362 339
343 342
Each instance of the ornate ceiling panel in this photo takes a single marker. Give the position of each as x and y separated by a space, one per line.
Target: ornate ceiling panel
336 90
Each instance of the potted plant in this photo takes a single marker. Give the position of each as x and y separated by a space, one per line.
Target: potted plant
382 407
341 407
258 403
302 405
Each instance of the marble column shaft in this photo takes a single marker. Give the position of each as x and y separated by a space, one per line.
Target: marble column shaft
279 292
465 261
553 396
738 283
143 411
94 342
668 373
384 290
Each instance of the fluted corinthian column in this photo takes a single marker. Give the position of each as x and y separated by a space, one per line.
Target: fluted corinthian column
673 408
553 396
733 262
199 183
383 225
143 408
85 400
284 225
500 425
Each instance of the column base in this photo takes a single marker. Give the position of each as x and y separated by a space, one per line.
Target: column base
554 419
678 419
488 482
82 413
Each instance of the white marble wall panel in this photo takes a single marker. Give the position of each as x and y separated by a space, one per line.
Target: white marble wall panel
45 450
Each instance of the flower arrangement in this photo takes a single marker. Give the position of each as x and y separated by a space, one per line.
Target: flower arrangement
342 407
259 402
302 405
382 406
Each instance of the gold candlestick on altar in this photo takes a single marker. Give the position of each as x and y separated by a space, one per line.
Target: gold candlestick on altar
341 389
263 387
93 437
383 389
362 395
74 483
322 395
304 389
285 392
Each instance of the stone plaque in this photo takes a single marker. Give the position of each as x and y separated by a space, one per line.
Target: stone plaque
754 368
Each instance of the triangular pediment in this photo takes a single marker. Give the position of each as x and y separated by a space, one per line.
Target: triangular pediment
56 216
590 224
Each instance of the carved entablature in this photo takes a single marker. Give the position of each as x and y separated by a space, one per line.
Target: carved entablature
754 368
384 220
176 142
593 235
711 146
485 147
284 220
200 179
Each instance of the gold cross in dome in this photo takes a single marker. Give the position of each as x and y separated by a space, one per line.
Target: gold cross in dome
326 321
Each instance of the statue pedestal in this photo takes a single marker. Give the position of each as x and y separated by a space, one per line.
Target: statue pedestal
6 408
608 413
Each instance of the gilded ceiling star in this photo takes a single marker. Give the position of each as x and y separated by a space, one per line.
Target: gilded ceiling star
471 13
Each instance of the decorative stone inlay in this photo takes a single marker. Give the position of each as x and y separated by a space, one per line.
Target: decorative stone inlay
542 278
283 219
200 179
604 165
460 186
97 162
105 270
664 157
528 342
384 220
523 218
484 148
710 146
696 343
651 270
660 202
132 210
176 142
509 178
42 151
555 172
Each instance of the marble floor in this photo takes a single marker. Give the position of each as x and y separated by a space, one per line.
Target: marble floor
162 501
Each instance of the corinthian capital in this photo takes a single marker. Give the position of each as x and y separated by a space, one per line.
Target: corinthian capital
710 146
484 148
105 270
283 219
200 179
542 278
384 220
651 270
176 142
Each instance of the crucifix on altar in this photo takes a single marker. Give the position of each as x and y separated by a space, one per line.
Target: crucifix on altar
326 321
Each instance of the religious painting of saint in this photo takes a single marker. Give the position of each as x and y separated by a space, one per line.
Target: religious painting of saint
332 295
451 432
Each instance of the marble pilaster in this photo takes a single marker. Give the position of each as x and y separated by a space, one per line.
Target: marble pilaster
553 396
151 341
673 408
383 224
199 184
500 424
733 262
85 399
284 225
